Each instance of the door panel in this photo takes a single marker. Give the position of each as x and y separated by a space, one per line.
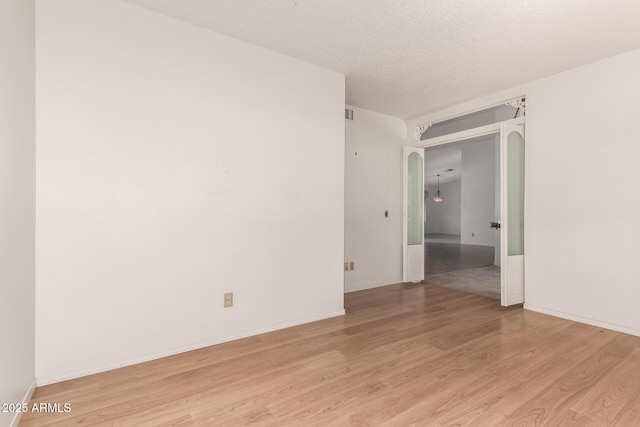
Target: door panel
512 148
413 215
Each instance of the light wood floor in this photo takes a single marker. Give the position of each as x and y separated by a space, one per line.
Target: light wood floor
483 281
403 355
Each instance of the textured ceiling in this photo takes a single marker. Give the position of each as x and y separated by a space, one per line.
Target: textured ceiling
412 57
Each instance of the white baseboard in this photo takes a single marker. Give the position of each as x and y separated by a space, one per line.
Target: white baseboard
69 375
587 320
26 399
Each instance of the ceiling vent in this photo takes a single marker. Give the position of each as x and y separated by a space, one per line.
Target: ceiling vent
348 114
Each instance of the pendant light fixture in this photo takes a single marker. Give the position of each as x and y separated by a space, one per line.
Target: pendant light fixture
438 199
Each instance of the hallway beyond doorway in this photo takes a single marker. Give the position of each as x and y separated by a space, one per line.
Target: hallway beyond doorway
483 281
444 253
468 268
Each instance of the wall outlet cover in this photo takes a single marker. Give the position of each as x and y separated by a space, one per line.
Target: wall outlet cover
228 299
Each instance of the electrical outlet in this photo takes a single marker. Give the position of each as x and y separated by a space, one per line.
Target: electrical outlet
346 266
352 265
228 299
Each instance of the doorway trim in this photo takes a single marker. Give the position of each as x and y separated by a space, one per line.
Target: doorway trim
463 135
491 129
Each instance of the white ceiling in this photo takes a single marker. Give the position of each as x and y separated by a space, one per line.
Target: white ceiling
412 57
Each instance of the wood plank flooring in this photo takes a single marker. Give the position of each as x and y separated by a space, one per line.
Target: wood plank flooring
483 281
403 355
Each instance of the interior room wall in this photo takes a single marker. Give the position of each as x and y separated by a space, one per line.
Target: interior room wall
17 202
581 194
174 165
478 193
373 178
444 217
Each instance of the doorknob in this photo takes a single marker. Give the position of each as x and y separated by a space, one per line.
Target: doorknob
495 225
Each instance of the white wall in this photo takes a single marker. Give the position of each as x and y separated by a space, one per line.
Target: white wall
176 164
478 193
582 202
444 217
373 184
17 201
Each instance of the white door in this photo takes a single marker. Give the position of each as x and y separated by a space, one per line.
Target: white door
512 213
413 215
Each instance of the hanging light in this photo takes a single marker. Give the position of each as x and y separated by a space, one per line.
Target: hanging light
438 199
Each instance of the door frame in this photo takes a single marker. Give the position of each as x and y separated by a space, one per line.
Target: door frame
490 129
412 255
512 265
